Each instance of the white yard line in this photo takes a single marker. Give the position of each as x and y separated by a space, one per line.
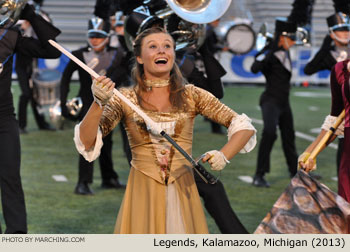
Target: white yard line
298 134
249 179
246 179
59 178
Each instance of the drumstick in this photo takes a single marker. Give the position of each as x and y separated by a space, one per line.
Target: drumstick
206 176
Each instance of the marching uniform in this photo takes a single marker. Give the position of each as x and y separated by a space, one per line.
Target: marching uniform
274 62
329 54
276 111
341 100
109 64
324 59
11 41
24 70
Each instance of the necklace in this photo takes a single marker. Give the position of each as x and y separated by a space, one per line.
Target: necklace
156 83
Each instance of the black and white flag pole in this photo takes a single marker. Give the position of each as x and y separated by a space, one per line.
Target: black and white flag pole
206 176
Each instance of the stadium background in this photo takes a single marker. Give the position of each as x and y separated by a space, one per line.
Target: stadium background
71 17
49 159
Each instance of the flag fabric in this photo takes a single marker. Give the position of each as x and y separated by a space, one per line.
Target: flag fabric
307 207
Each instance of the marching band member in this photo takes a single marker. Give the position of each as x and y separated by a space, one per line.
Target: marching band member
275 63
107 61
11 41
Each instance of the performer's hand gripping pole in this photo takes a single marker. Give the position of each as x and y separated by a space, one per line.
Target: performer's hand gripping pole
206 176
323 142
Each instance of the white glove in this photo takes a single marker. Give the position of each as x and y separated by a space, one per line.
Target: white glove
216 159
102 91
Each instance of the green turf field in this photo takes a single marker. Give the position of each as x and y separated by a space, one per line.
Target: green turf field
52 207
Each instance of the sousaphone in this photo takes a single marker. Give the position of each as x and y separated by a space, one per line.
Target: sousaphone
10 12
189 31
199 11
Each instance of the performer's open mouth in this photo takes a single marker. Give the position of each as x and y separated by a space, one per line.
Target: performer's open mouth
161 61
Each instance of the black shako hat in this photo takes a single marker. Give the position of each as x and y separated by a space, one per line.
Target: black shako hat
98 28
283 25
342 6
339 22
137 22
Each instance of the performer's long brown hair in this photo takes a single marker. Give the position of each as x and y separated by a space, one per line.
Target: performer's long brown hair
177 88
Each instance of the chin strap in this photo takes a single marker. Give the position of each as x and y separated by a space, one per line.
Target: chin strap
104 42
342 41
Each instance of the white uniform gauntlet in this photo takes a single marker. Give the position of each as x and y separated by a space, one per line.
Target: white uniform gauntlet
329 122
242 122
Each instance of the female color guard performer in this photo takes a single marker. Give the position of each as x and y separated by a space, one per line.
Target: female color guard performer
161 194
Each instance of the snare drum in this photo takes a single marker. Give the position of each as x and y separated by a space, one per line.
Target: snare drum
46 86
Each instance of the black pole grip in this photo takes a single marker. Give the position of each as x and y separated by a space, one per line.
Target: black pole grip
202 172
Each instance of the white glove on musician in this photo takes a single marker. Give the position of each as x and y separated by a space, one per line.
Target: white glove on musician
216 159
102 90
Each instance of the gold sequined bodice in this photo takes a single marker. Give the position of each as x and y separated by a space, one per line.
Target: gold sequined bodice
151 153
